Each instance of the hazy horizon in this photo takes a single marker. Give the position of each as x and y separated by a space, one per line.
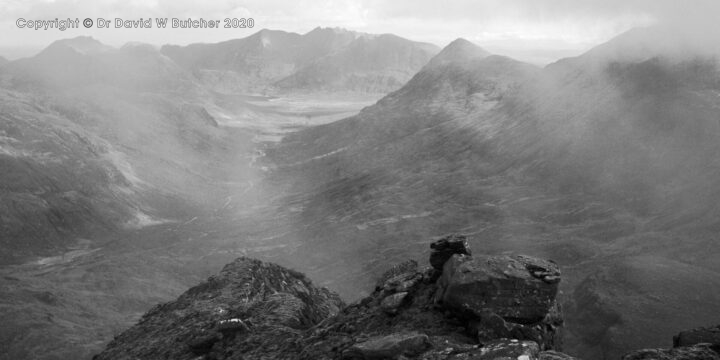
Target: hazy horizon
536 32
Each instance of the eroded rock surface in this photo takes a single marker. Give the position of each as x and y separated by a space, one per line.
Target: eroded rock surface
484 307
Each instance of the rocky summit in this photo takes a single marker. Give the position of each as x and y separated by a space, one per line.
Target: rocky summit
473 307
249 310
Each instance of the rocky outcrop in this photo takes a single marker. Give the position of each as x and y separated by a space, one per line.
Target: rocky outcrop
709 335
250 307
482 307
695 344
695 352
444 248
505 296
514 287
389 347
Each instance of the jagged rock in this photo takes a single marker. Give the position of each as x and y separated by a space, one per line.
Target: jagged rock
709 335
445 248
397 274
273 302
408 285
390 304
259 310
555 355
545 333
696 352
505 285
389 347
509 349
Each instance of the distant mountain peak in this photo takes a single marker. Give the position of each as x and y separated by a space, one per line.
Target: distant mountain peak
80 44
661 40
336 29
325 32
458 50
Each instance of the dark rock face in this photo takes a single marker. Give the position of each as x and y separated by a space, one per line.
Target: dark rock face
710 335
514 287
254 310
696 352
445 248
546 333
695 344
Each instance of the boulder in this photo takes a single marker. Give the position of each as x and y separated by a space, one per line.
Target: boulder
389 347
695 352
709 335
391 303
518 288
397 274
546 333
445 248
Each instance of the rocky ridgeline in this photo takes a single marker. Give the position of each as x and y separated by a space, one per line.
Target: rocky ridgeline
462 307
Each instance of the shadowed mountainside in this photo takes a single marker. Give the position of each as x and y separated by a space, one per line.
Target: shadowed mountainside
606 163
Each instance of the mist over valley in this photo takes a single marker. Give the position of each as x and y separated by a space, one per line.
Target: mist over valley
130 174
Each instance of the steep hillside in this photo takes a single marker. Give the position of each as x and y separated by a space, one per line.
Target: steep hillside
599 162
458 51
110 158
124 139
58 180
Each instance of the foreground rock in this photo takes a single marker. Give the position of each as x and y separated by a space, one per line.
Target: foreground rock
696 352
709 335
505 296
695 344
444 248
249 308
389 347
480 307
513 287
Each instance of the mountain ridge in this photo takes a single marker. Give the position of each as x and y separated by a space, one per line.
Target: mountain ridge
578 156
297 59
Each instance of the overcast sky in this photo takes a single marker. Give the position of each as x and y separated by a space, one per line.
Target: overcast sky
534 30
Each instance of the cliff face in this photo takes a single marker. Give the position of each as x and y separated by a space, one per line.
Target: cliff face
466 306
